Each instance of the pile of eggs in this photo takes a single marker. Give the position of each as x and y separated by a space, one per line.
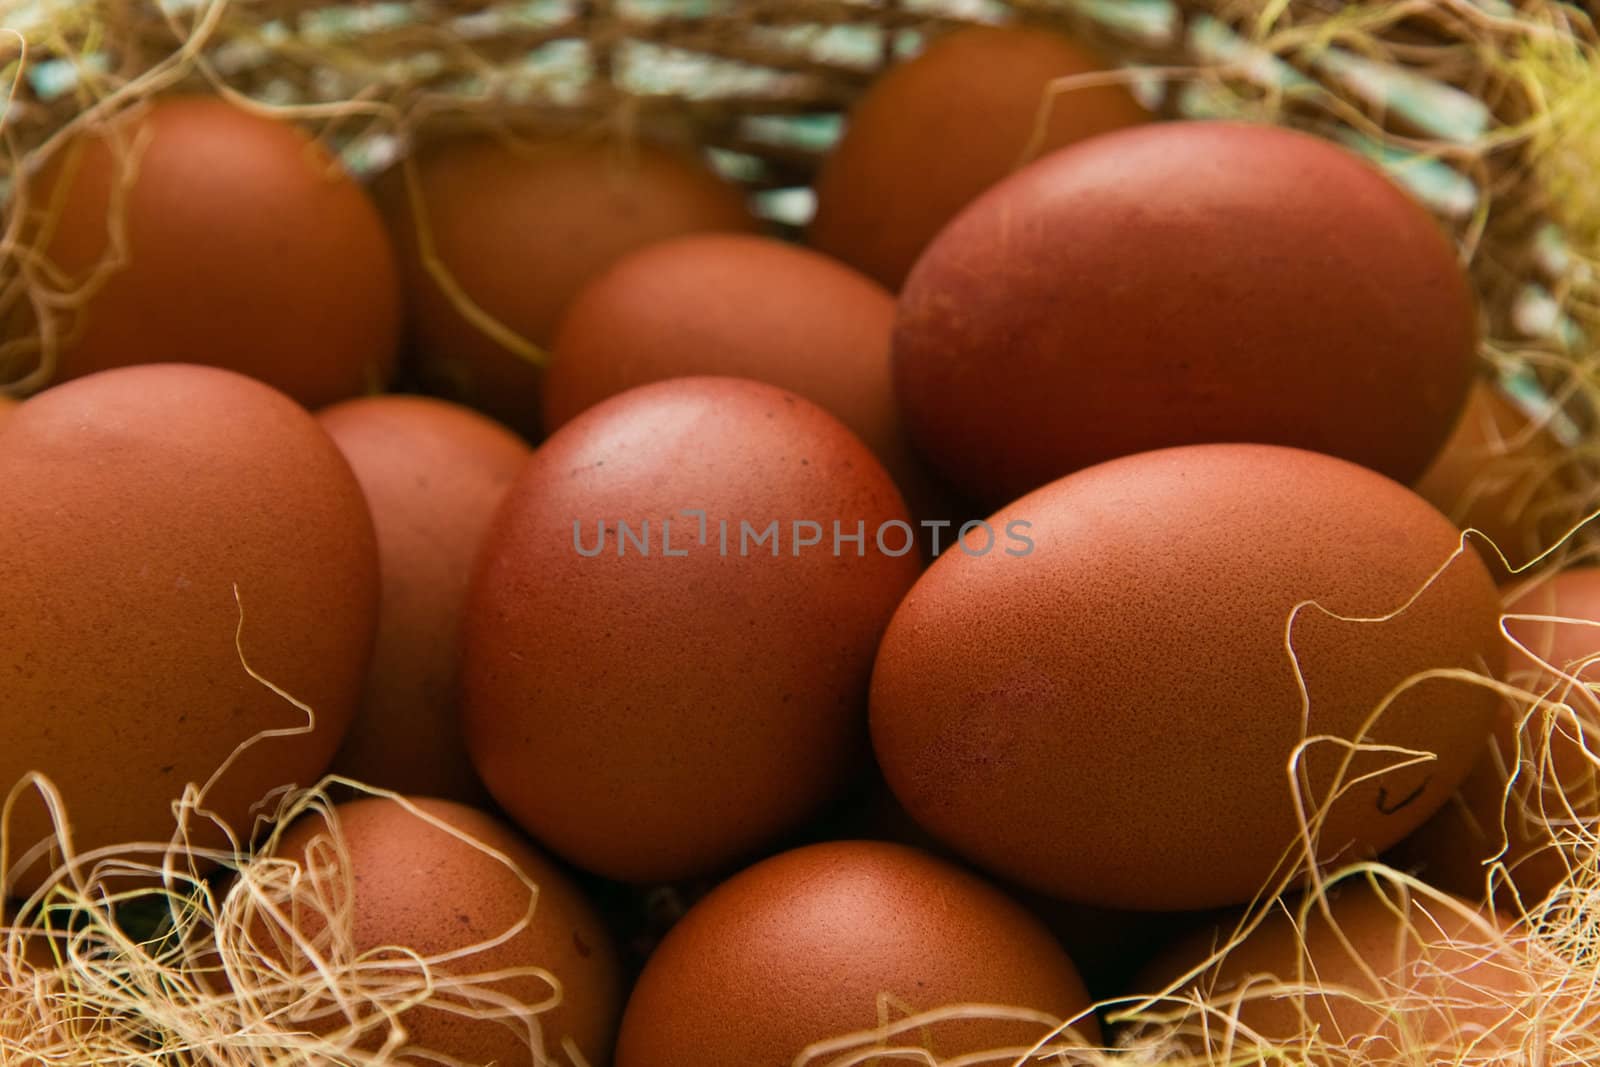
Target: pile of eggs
1032 555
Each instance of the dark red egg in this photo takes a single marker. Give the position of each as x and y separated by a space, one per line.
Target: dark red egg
660 697
1183 283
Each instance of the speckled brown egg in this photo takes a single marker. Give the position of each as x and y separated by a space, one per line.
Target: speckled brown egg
518 233
815 943
1183 283
1107 945
700 685
1529 824
418 886
433 474
745 307
936 131
1383 975
1506 476
1109 714
247 247
154 515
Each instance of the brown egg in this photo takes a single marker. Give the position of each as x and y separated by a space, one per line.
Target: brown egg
1557 788
1569 644
1183 283
7 406
1121 650
745 307
936 131
835 938
247 248
1392 978
519 233
700 694
1106 944
433 474
1503 476
151 514
419 887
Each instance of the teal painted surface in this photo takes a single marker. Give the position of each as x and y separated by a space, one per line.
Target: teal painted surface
559 71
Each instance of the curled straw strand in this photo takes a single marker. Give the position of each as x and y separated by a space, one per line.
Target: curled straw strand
215 983
212 987
235 973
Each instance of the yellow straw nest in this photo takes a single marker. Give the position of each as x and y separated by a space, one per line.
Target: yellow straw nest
228 972
1489 110
132 955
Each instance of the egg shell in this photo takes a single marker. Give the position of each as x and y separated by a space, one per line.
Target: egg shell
801 947
519 232
1183 283
936 131
151 514
1109 716
744 307
1505 476
422 888
1557 781
1394 977
248 247
433 474
700 705
1107 945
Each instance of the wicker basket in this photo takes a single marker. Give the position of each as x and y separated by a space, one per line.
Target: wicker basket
1453 94
1479 106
